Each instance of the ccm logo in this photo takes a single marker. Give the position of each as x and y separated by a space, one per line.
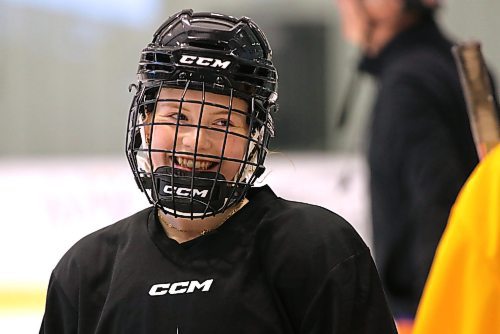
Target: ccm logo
204 61
185 191
179 287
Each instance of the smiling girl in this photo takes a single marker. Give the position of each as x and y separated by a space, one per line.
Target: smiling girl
213 254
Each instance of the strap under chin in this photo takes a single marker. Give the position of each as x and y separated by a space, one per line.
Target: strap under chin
192 194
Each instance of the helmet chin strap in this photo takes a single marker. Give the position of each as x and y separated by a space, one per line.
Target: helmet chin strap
190 194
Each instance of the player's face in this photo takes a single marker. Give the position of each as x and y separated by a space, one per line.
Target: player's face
202 129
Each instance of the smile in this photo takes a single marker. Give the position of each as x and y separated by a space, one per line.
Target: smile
189 163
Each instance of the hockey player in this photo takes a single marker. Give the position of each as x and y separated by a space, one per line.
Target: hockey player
213 254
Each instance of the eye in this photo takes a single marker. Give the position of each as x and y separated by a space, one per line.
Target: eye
178 116
223 122
172 116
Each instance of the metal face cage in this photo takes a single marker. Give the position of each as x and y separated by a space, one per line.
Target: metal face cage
194 192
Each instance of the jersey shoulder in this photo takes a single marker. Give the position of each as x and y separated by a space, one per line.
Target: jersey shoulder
304 231
96 249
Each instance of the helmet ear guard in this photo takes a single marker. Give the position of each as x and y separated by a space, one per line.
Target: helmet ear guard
211 53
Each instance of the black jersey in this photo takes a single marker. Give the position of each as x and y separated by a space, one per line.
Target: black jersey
274 267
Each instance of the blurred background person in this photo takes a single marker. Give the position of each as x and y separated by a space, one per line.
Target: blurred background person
421 149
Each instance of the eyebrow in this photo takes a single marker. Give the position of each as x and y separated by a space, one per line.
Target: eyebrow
234 111
219 109
173 104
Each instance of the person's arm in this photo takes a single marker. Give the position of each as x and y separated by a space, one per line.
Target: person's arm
60 315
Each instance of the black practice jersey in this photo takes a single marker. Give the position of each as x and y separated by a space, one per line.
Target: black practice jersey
274 267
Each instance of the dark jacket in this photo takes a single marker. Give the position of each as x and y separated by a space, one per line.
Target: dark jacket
421 152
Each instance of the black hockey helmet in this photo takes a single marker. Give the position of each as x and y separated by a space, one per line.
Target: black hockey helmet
206 52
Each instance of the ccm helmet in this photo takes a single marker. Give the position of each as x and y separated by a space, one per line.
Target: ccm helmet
206 52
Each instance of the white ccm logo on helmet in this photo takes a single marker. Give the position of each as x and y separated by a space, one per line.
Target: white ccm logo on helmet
185 191
204 61
179 287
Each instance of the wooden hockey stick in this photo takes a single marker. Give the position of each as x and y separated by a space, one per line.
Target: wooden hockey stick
481 105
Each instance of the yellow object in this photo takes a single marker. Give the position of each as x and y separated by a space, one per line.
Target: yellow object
21 299
462 294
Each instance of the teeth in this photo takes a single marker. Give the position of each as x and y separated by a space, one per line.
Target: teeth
189 163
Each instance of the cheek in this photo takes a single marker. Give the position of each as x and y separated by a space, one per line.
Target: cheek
162 139
235 147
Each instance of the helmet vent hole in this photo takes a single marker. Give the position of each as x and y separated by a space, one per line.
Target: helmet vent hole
249 79
263 72
162 58
163 68
149 57
246 69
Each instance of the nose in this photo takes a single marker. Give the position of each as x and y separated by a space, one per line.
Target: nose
194 138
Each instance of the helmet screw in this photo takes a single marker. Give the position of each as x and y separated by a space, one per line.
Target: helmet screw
182 76
219 81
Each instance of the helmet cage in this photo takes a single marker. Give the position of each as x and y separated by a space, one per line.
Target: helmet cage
194 194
